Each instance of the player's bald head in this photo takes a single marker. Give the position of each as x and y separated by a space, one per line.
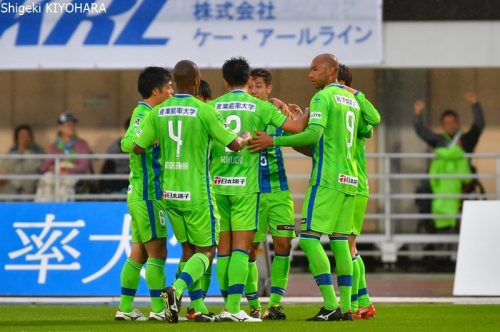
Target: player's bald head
186 74
323 70
327 60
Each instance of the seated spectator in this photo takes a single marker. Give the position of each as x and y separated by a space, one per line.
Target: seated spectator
67 142
116 166
23 144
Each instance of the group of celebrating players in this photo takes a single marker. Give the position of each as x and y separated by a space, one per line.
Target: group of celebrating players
214 170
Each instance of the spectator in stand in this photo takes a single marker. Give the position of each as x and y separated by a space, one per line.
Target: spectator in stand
24 143
449 147
116 166
67 142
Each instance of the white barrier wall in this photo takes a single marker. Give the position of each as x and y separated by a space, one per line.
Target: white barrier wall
478 267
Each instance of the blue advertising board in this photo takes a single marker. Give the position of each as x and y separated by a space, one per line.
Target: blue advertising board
70 249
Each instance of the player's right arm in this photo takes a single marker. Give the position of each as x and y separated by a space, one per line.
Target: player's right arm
317 122
213 123
145 135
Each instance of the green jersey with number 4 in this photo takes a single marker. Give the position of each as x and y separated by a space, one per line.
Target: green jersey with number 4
185 127
145 169
237 173
334 166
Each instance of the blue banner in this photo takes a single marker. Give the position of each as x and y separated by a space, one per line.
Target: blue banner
70 249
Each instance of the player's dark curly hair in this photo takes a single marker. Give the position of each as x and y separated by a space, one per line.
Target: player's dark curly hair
236 71
151 78
344 74
264 74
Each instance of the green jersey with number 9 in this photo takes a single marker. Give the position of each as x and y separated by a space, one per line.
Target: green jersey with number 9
185 127
235 173
334 165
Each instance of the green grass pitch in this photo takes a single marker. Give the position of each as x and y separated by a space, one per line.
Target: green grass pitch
393 317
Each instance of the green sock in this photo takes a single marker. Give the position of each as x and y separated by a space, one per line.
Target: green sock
196 296
222 277
129 281
363 297
320 268
155 278
192 272
206 279
252 285
343 260
355 284
237 276
279 278
180 266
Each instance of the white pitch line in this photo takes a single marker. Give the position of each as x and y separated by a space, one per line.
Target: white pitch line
219 300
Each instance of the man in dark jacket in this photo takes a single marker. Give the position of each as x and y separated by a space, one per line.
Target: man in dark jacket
450 123
452 135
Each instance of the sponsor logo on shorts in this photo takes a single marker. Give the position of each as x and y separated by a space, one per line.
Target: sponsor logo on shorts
346 101
176 195
346 179
129 189
230 181
315 115
285 228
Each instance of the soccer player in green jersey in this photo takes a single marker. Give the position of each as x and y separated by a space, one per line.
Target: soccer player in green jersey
184 126
236 182
370 118
149 228
329 203
275 212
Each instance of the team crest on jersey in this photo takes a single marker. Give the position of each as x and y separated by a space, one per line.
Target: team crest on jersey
315 115
176 195
230 181
346 179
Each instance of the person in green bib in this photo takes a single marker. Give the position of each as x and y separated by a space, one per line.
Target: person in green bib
144 199
330 199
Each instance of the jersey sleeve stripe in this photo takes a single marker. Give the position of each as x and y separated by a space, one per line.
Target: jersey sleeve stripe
207 182
157 171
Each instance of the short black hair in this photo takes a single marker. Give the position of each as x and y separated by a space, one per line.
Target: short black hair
151 78
449 113
264 74
18 129
205 91
236 71
344 74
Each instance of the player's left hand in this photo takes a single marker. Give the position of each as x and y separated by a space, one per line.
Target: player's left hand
260 141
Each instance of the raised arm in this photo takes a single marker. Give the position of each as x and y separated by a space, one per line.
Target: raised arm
421 130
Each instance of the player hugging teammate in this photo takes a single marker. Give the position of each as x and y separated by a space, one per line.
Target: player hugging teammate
219 195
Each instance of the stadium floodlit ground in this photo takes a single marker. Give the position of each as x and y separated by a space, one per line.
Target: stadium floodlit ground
391 317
